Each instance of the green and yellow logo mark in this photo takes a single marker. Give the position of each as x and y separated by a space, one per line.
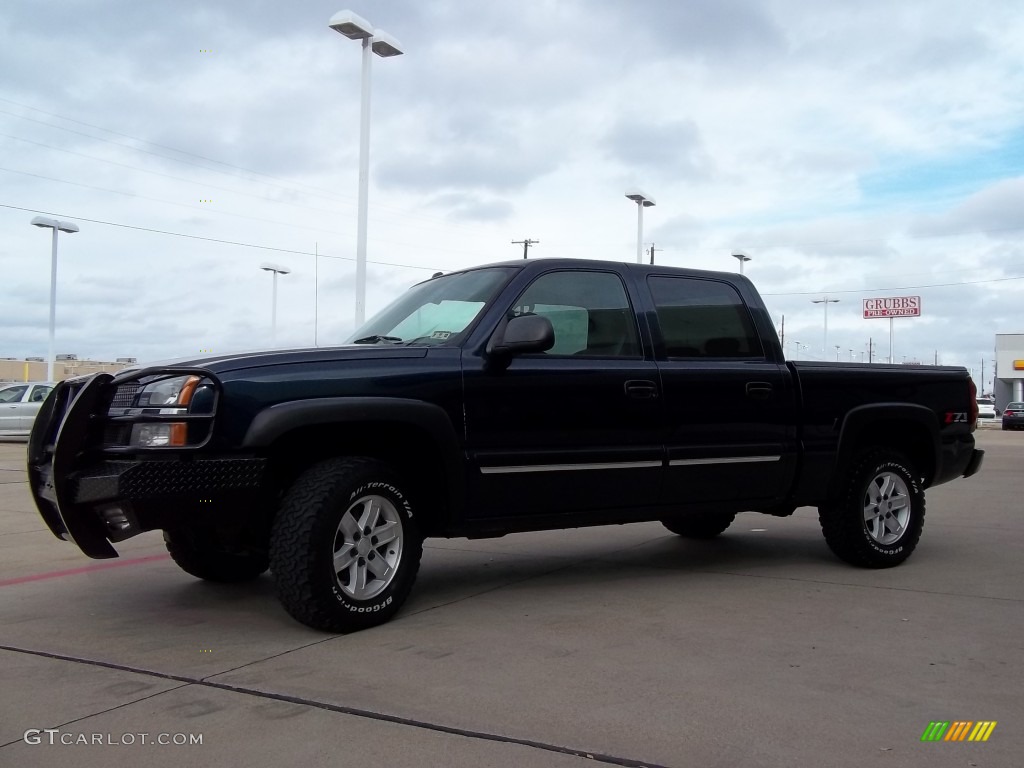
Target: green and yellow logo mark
958 730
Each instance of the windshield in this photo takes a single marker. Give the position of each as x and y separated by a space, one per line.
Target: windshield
435 311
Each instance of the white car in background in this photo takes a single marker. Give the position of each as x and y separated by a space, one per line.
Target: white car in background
987 408
19 403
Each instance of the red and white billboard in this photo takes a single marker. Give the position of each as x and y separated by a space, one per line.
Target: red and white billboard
894 306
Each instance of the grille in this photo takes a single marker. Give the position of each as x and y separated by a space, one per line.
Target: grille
124 395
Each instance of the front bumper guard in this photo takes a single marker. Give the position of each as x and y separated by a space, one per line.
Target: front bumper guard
69 482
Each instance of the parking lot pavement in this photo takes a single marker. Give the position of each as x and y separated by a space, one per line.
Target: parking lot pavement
627 644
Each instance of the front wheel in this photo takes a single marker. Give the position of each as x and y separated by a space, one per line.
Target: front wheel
877 519
345 547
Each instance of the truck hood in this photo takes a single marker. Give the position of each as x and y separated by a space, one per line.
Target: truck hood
261 358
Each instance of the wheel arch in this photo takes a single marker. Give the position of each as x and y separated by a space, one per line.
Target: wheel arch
418 439
909 429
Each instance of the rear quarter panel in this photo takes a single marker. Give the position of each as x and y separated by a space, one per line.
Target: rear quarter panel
886 402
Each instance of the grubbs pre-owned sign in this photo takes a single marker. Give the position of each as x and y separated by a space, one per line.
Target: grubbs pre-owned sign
894 306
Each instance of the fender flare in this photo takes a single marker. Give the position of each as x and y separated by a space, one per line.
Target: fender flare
860 419
276 420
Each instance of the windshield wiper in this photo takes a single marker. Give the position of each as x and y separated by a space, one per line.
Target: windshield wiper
419 339
376 339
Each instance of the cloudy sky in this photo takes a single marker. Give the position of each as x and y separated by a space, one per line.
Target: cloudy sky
856 150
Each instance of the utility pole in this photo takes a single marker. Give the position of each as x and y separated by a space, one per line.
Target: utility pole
983 375
526 244
652 250
871 350
783 332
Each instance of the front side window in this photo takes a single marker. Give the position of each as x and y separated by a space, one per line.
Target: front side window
39 393
589 311
12 394
435 311
703 318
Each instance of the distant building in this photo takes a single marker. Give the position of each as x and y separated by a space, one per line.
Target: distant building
66 366
1009 376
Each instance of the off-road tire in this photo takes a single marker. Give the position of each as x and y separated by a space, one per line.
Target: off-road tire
199 553
705 526
312 530
848 532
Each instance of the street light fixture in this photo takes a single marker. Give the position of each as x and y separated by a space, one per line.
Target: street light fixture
825 301
642 201
277 269
742 258
57 226
355 27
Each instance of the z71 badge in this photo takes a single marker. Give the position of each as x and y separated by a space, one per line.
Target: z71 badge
956 417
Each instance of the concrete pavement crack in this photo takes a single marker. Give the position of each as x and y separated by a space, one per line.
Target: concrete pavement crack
122 705
343 710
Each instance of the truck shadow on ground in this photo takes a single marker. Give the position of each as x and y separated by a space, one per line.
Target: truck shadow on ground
164 598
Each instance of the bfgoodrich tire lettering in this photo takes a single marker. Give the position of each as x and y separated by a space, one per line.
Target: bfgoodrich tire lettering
877 520
345 546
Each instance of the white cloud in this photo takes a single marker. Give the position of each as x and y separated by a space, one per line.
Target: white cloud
833 142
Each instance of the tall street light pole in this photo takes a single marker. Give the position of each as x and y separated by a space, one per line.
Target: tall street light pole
57 226
642 201
742 258
276 269
825 302
379 42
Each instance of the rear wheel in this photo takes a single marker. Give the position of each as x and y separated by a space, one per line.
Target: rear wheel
705 526
345 546
203 554
877 520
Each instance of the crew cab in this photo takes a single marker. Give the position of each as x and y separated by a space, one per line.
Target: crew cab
521 396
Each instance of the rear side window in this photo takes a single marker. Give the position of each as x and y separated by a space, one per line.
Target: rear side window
703 318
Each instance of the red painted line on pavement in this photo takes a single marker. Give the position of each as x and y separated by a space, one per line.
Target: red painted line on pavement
85 569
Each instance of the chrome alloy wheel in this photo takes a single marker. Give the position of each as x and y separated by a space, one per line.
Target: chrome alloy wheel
886 508
367 547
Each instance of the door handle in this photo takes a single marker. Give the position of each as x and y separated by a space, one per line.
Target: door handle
759 390
642 390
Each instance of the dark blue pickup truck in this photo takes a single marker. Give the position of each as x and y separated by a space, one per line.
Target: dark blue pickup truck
520 396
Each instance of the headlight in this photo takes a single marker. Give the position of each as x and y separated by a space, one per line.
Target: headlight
159 435
176 392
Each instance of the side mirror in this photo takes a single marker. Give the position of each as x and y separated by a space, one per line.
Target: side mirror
521 335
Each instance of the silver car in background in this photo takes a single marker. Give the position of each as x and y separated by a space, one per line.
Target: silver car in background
19 403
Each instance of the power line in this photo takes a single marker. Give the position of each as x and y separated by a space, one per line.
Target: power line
448 269
293 186
213 239
209 211
143 141
203 184
900 287
170 202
